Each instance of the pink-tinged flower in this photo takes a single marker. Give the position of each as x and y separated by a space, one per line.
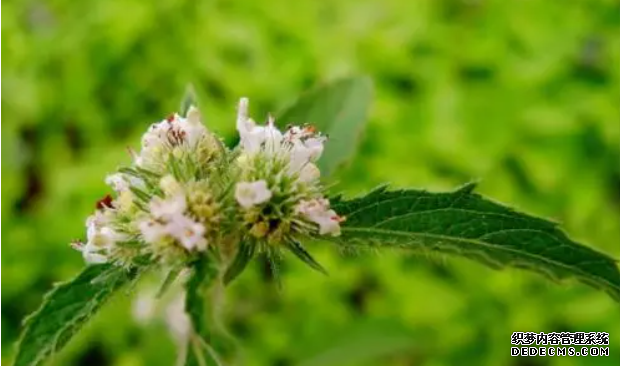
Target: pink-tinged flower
100 239
189 233
249 194
318 211
309 173
169 207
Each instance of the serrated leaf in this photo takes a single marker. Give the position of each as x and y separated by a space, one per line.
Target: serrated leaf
66 309
245 253
298 249
338 109
467 224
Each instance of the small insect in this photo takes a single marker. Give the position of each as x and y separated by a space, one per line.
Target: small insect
104 202
309 129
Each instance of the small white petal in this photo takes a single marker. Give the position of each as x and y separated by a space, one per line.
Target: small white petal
94 258
110 236
152 231
272 136
192 131
309 173
329 223
252 137
249 194
193 116
189 233
305 151
315 147
117 182
100 237
166 208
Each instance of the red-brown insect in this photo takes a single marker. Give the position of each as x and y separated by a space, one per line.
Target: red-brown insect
310 129
104 202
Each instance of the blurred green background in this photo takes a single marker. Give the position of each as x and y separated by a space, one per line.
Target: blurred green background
522 95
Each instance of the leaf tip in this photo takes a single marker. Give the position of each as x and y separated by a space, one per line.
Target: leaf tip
189 98
468 188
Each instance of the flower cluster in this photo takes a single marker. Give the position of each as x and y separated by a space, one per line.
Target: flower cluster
186 193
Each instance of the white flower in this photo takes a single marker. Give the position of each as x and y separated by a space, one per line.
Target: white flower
92 256
156 134
251 135
90 253
300 145
304 151
152 231
101 238
317 211
188 232
120 182
193 129
172 131
117 182
169 207
249 194
254 137
272 137
99 234
309 173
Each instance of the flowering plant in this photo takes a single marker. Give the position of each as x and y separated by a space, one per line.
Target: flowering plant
187 195
189 203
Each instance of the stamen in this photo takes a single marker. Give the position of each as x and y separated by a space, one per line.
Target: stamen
76 244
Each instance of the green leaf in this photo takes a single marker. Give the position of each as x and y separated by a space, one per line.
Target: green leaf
366 341
66 309
467 224
243 257
298 249
337 109
189 99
